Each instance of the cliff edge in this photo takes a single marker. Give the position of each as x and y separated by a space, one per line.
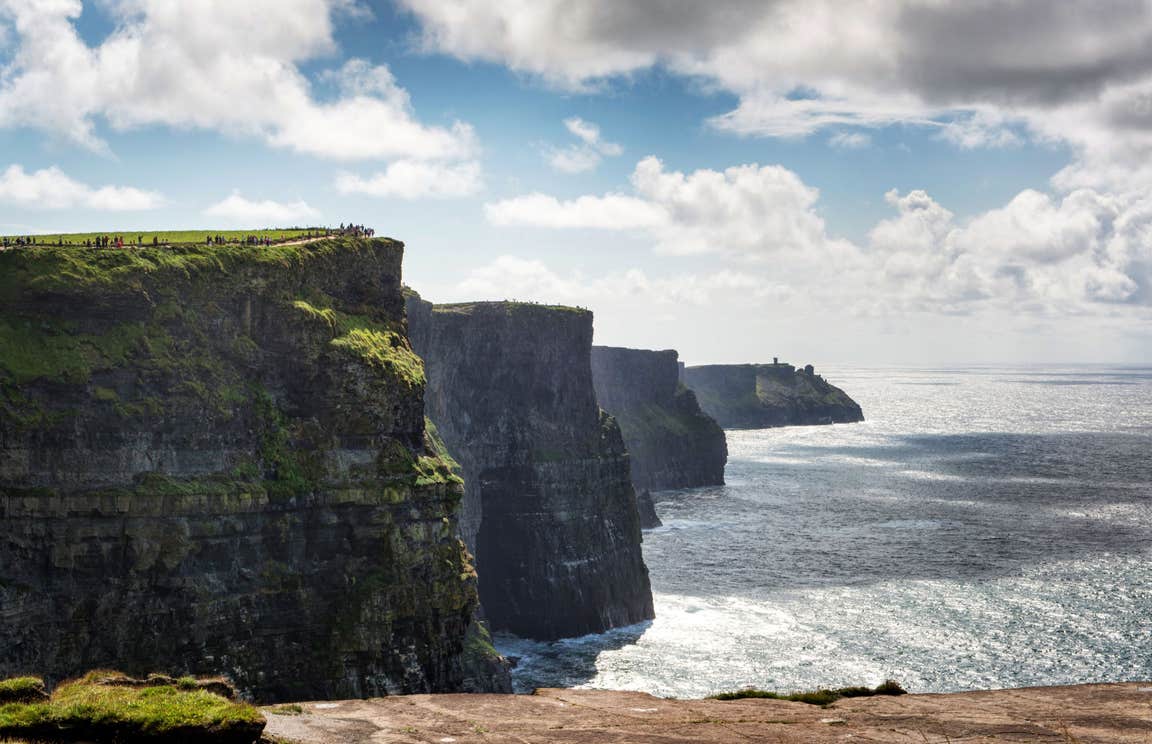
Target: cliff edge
759 396
549 509
671 442
214 460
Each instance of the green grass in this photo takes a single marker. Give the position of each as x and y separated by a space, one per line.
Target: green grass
84 710
291 709
509 307
173 237
815 697
21 690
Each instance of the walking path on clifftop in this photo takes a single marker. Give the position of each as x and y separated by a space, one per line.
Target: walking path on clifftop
1080 714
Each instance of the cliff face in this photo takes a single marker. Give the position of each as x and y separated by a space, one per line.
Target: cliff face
758 396
548 507
214 460
672 443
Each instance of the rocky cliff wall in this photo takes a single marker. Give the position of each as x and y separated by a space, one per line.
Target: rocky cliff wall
548 504
671 442
214 460
757 396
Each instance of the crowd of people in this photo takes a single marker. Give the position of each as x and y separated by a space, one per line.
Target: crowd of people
18 242
119 241
115 241
356 231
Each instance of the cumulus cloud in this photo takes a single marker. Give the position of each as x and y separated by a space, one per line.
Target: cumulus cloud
1036 254
587 154
238 209
413 179
1086 252
608 212
215 65
51 188
749 211
985 73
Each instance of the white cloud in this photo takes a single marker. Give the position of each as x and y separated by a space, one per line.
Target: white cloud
850 140
573 159
413 179
585 156
261 213
589 134
518 278
1087 252
51 188
608 212
1035 255
216 65
749 211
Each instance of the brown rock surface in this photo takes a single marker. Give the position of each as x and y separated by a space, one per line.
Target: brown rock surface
1079 714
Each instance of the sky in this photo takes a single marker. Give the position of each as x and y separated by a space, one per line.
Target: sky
878 182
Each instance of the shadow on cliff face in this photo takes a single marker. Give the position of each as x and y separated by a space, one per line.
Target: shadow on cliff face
568 662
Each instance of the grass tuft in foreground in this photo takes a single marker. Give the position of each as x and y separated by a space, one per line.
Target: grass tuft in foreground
92 709
816 697
22 690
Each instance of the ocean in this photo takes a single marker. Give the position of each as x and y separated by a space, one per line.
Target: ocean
984 528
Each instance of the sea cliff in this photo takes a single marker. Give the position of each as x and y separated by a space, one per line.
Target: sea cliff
214 460
671 442
758 396
549 509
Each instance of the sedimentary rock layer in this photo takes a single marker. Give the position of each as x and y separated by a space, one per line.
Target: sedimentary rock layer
758 396
548 507
671 442
214 460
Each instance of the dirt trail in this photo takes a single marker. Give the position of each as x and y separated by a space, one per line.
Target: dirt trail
1081 714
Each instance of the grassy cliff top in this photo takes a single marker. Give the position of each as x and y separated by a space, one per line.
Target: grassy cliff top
173 237
70 270
510 306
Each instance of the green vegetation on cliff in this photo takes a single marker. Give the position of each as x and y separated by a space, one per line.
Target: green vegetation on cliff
101 707
816 697
22 690
172 237
507 306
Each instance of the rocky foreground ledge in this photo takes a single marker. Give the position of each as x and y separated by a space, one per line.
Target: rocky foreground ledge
1074 714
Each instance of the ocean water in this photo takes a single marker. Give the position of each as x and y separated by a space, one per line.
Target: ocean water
984 528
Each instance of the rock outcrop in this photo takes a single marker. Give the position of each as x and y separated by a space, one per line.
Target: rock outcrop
671 442
215 461
549 510
1100 713
759 396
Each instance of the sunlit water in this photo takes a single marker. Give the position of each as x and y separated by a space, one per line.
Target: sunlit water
984 528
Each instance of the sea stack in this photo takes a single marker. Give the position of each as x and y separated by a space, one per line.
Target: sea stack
549 509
